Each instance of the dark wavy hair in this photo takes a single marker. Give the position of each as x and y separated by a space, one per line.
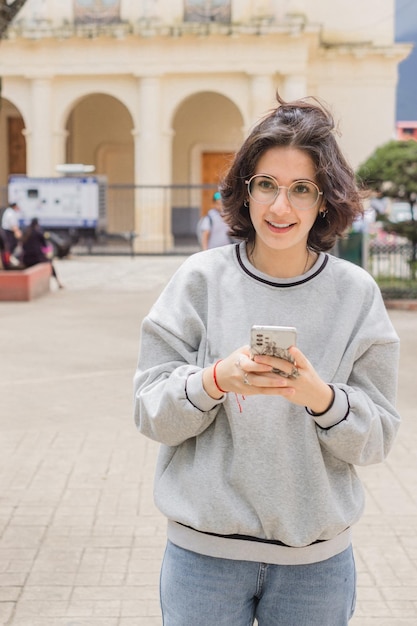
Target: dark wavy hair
308 126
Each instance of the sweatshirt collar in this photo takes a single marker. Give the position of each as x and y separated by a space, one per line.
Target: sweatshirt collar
250 270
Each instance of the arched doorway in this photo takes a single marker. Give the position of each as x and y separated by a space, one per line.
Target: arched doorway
12 145
100 133
207 132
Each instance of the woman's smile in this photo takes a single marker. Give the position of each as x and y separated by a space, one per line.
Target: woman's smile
279 227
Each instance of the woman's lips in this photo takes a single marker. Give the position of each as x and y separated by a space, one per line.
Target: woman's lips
279 228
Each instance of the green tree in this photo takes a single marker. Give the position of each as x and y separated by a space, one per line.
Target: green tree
392 170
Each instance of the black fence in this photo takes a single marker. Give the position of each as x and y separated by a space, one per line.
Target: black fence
390 261
170 209
386 257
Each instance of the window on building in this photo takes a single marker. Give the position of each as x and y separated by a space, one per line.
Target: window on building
87 11
207 11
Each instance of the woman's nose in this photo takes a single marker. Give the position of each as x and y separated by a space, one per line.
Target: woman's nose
281 204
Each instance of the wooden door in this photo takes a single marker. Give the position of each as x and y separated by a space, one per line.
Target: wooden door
16 145
214 166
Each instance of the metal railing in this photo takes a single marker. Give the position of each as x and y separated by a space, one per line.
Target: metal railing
390 261
169 211
179 206
178 209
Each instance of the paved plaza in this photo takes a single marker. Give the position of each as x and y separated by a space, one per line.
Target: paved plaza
80 538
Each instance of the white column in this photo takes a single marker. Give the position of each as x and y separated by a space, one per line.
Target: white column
60 145
149 146
295 87
152 204
262 95
39 134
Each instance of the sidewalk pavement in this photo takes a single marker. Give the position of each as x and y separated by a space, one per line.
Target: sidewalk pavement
80 539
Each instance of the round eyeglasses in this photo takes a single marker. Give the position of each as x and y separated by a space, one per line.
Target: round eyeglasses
302 194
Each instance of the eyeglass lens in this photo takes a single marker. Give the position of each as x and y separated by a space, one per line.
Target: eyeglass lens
302 194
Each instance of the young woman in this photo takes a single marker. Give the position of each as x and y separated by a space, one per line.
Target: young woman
256 472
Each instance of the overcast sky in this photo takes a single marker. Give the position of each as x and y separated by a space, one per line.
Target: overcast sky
406 30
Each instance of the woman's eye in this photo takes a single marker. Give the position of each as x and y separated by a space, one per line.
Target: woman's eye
301 188
266 185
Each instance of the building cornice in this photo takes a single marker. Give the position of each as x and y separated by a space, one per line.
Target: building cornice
358 50
292 24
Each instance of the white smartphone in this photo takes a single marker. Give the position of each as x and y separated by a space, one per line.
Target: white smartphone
274 341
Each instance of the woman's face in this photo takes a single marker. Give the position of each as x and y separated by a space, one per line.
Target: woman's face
278 224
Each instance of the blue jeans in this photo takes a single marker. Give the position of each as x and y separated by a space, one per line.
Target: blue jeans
198 590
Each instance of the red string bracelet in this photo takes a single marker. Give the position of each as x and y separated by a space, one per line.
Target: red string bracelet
215 377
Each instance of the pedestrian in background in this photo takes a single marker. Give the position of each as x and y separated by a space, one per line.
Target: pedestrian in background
11 234
37 249
214 230
256 472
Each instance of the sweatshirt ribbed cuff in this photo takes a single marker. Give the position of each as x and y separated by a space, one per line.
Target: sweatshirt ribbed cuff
337 412
197 395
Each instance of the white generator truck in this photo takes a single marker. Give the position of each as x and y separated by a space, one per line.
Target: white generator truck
70 208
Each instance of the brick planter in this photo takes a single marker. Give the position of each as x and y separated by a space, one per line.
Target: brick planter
26 284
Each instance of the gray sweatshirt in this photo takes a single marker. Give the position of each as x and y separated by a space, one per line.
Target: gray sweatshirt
259 478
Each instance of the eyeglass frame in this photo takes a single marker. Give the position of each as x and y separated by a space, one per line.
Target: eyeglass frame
279 187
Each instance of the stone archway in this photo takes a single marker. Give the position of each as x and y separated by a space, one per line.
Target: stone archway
99 131
205 123
12 142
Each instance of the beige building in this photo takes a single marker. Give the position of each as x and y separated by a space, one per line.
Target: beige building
157 94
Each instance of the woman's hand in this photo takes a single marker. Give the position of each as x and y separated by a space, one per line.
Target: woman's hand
238 373
306 388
